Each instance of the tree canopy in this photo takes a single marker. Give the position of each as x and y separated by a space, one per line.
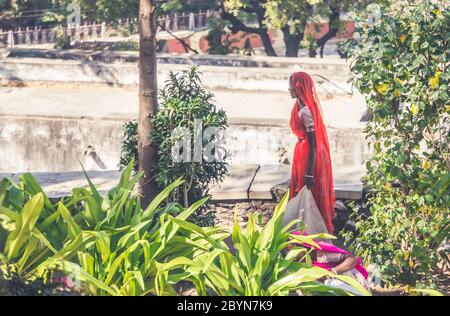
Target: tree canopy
249 16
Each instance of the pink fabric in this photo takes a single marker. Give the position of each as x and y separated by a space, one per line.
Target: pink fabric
327 247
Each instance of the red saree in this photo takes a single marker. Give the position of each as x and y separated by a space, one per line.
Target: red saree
322 191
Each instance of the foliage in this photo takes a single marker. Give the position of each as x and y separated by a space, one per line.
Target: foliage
31 227
342 47
401 66
187 6
100 10
111 10
310 43
288 15
293 13
55 12
259 267
183 102
214 37
113 247
128 243
52 283
109 243
62 39
129 144
292 16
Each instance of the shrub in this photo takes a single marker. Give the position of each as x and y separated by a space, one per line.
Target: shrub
401 66
123 244
113 247
310 43
262 266
109 243
183 102
52 283
62 39
129 145
215 37
31 227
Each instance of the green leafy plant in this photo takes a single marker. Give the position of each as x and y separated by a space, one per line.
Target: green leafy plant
216 42
262 264
183 102
52 283
310 43
107 242
31 227
129 144
114 247
62 39
125 244
401 66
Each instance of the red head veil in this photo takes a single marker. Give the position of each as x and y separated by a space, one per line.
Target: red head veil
322 190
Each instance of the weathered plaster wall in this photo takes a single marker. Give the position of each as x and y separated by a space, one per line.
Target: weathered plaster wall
58 144
330 77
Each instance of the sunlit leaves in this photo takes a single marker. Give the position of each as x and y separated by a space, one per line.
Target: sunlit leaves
264 262
401 66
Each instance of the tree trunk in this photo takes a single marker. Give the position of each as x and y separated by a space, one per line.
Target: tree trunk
148 89
237 25
333 27
291 41
268 47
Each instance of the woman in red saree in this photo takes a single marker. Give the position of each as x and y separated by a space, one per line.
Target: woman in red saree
311 165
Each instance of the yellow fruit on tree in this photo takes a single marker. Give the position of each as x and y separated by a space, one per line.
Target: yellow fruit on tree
414 109
382 88
406 255
403 38
434 81
437 12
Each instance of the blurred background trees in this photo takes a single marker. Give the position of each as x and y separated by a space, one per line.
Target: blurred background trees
264 18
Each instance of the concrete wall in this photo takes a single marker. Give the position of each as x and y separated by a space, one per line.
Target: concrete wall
330 77
33 143
58 144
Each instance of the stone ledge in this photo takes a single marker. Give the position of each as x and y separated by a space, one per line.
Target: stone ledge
268 177
185 59
329 78
243 183
236 184
60 184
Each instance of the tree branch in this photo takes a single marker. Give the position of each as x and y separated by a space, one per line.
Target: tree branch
182 42
238 25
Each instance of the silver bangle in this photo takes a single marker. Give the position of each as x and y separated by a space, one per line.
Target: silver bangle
308 176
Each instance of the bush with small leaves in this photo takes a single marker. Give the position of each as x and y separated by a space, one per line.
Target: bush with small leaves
401 66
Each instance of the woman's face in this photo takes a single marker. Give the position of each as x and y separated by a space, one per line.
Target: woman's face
292 90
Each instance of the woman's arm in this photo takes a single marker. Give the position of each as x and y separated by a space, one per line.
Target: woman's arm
349 263
309 179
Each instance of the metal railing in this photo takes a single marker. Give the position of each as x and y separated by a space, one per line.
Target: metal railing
94 31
